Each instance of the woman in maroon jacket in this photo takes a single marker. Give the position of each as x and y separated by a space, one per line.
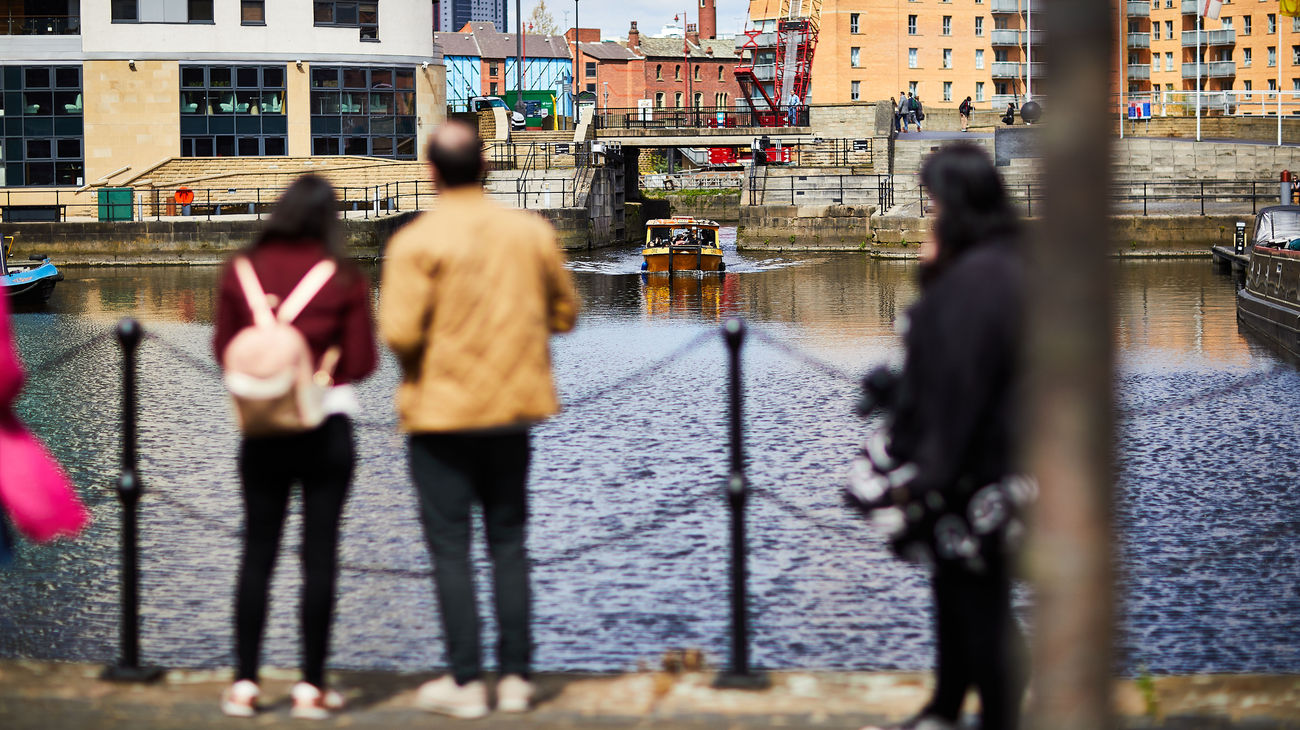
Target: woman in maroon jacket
302 230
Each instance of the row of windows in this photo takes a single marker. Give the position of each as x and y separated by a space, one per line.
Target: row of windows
363 111
677 71
1247 57
325 13
1226 23
720 99
42 126
945 57
855 90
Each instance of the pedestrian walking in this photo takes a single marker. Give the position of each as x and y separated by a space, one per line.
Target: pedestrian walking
910 110
294 275
918 113
471 294
939 478
893 110
964 112
900 113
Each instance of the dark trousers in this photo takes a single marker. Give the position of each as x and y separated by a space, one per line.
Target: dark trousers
453 472
321 461
979 644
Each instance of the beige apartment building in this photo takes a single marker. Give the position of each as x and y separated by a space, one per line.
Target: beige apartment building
1246 50
941 50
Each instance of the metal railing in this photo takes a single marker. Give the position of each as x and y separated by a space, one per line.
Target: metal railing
535 155
847 189
1199 197
695 118
43 25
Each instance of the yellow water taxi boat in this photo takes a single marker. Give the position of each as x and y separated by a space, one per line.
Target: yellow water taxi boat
681 243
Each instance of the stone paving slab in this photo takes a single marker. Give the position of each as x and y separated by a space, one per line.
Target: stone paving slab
44 695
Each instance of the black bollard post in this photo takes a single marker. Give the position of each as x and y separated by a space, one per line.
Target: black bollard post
128 667
739 675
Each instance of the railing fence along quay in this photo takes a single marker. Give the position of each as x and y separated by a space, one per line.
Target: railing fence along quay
130 484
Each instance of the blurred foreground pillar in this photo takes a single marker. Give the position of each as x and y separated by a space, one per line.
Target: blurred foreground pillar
1070 365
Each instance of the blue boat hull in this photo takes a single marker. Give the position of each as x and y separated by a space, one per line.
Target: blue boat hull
32 286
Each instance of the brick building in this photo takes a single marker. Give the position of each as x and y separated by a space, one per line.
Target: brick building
694 71
611 71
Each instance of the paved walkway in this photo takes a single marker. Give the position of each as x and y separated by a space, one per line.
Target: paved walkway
41 696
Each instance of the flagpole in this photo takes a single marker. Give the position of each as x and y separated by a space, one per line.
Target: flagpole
1198 77
1279 77
1029 51
1123 67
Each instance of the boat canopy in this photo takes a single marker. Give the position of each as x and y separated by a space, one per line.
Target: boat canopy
683 234
1277 225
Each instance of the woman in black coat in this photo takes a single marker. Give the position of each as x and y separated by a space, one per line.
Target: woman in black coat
944 466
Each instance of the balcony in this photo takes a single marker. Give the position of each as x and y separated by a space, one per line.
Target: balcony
1138 9
1191 7
1221 37
41 25
1012 37
1005 6
1139 71
1211 70
999 101
1013 70
1139 40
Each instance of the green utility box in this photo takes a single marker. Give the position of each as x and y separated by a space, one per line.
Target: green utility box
116 204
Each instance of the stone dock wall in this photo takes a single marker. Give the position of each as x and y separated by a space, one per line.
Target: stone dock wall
201 241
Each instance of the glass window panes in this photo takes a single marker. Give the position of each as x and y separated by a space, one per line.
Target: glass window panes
363 111
252 12
200 11
247 101
124 11
42 125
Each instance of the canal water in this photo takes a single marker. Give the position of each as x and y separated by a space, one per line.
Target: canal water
629 529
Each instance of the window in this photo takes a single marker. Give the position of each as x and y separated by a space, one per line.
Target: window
1248 86
1272 84
855 89
999 56
696 73
357 110
1295 54
1295 25
1245 57
125 11
229 111
1169 28
979 58
855 57
678 100
677 74
591 87
659 100
494 88
363 15
947 91
947 25
911 25
1245 25
979 91
252 12
200 11
853 22
1155 31
589 68
43 134
494 68
911 58
1226 23
659 72
947 58
913 87
1272 56
979 26
1272 24
698 100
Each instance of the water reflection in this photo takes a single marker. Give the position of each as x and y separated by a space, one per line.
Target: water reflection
644 466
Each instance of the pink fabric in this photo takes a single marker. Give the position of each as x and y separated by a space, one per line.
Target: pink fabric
34 492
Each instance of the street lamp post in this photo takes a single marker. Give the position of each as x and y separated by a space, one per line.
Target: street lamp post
519 57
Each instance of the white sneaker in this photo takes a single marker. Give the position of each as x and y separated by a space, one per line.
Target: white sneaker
240 699
310 703
445 697
514 693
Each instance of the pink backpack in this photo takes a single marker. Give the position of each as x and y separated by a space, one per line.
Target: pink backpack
269 371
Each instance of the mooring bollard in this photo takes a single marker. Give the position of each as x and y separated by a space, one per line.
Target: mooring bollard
128 667
739 675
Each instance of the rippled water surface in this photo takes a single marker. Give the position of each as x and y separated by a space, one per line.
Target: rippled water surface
629 528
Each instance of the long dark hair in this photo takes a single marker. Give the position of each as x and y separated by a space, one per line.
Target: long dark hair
307 211
974 209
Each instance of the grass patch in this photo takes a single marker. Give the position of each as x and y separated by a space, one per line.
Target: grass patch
688 193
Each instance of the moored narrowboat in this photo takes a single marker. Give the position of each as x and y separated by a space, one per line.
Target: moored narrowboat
27 283
681 243
1269 303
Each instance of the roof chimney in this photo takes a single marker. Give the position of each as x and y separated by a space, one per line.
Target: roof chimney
708 19
634 38
692 34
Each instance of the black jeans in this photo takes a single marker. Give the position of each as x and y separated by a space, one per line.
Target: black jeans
979 643
453 471
321 461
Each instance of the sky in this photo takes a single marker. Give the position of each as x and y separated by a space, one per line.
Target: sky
613 17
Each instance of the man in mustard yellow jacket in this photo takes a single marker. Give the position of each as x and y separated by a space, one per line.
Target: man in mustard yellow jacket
471 294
